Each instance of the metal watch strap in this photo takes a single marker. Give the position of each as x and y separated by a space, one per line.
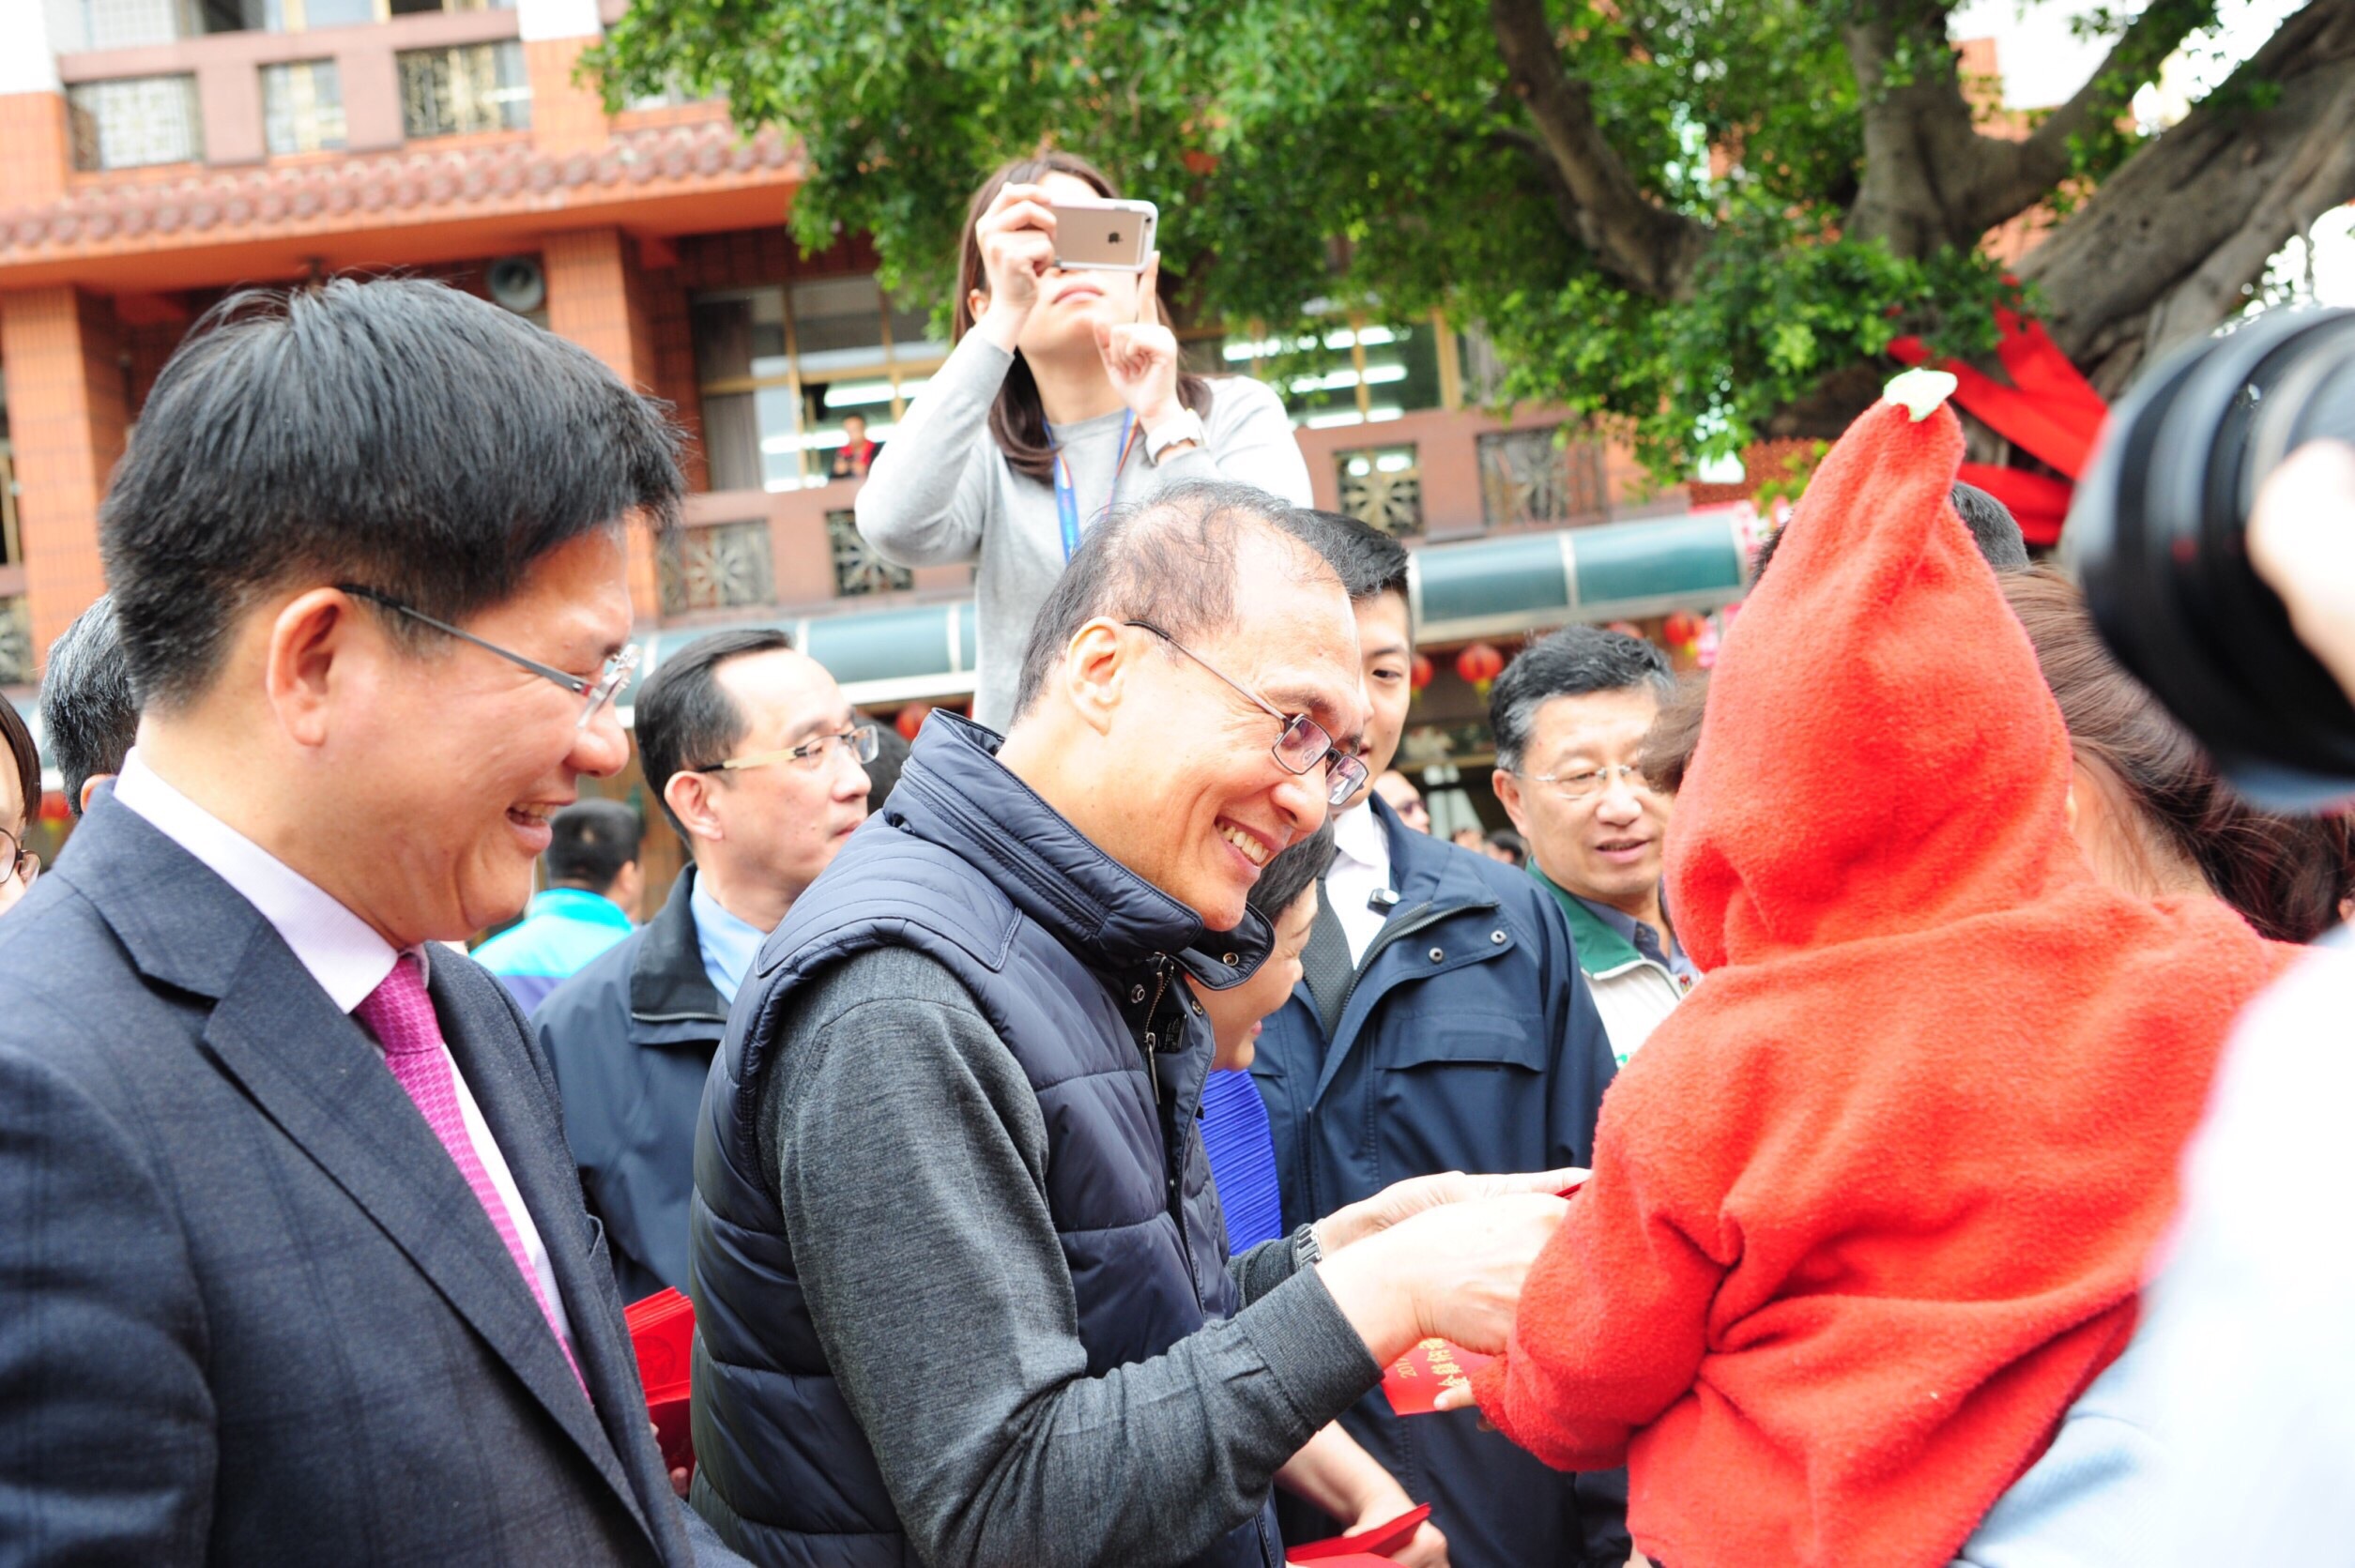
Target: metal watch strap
1305 1251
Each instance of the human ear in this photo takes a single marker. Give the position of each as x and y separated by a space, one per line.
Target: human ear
688 798
313 657
1096 666
1508 787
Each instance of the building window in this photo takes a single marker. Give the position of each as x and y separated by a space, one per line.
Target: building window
1382 485
302 107
782 369
135 121
1538 475
857 568
723 567
472 88
1353 373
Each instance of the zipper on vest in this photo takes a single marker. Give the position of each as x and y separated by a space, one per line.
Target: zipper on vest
1152 1039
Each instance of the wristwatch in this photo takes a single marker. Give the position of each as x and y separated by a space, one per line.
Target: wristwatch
1184 425
1306 1253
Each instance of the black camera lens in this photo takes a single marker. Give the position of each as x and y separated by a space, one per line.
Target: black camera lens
2158 535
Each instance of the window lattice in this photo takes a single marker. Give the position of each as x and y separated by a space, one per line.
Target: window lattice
472 88
1532 475
16 643
857 568
302 107
135 121
1382 485
723 566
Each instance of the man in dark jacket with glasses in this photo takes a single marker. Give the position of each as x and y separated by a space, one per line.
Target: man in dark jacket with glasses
961 1283
756 756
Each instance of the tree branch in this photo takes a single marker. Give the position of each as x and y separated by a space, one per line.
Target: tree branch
1651 249
2043 160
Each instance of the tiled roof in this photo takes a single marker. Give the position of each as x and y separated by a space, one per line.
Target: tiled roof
412 185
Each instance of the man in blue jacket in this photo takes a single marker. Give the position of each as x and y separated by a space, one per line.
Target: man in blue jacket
1442 1025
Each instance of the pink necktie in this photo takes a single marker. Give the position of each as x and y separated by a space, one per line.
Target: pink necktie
401 1015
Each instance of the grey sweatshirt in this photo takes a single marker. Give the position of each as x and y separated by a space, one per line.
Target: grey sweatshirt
909 1154
940 492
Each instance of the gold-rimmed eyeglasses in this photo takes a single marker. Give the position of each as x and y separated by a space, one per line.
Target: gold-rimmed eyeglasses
812 756
594 693
17 860
1587 783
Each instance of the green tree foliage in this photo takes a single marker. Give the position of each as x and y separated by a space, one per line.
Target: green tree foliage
1702 220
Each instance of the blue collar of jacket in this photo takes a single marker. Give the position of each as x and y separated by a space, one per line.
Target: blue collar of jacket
668 985
1601 951
1426 870
579 904
954 792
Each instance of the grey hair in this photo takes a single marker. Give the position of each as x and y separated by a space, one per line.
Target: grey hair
1172 561
1571 662
87 704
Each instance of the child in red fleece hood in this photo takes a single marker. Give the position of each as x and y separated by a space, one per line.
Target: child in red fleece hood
1871 1208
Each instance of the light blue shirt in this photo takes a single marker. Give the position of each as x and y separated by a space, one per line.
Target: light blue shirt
728 945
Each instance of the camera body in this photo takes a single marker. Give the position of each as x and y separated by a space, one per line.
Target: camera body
2158 537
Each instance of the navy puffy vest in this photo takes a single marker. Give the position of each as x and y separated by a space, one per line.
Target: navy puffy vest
1073 960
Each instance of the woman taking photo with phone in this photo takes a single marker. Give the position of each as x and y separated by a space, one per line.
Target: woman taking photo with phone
1063 395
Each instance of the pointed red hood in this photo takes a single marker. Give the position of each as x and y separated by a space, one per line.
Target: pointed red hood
1881 754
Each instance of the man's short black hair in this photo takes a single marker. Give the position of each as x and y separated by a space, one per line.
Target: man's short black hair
1291 873
1169 560
87 704
891 754
593 840
1993 527
1571 662
685 719
1369 561
395 433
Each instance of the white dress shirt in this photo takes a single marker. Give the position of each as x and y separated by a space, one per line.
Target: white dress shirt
341 951
1361 868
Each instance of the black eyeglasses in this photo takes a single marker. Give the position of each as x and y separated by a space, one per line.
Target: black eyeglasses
594 693
17 860
1302 746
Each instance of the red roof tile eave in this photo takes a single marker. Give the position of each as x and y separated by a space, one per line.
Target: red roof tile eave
638 175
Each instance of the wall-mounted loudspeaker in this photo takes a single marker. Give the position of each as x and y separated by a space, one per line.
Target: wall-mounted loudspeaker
517 283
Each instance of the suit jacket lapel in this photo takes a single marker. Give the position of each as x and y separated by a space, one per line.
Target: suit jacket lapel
518 1106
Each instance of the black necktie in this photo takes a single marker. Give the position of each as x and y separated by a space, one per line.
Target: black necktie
1325 964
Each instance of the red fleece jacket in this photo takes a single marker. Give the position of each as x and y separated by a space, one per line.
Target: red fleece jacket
1871 1207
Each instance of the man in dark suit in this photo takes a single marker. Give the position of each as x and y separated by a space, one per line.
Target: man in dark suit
295 1268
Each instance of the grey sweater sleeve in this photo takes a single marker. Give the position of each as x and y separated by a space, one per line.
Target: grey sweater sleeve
928 499
1250 442
909 1154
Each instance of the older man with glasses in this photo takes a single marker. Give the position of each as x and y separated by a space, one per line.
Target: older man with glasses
961 1283
1570 714
755 757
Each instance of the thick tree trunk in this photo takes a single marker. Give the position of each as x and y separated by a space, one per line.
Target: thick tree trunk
2168 245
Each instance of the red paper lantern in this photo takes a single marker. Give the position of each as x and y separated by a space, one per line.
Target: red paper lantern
911 719
1683 629
1420 672
1481 663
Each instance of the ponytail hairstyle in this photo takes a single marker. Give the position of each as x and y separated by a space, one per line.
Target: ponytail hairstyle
1018 421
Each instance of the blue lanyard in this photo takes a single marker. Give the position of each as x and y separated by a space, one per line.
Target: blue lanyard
1067 502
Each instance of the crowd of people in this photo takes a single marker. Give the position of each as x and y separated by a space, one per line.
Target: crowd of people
1058 1125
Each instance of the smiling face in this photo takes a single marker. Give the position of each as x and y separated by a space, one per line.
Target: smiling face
447 760
1190 796
1237 1011
1607 847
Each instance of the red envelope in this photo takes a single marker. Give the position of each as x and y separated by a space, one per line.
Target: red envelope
1373 1544
1413 1382
1583 1178
1354 1560
662 1332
